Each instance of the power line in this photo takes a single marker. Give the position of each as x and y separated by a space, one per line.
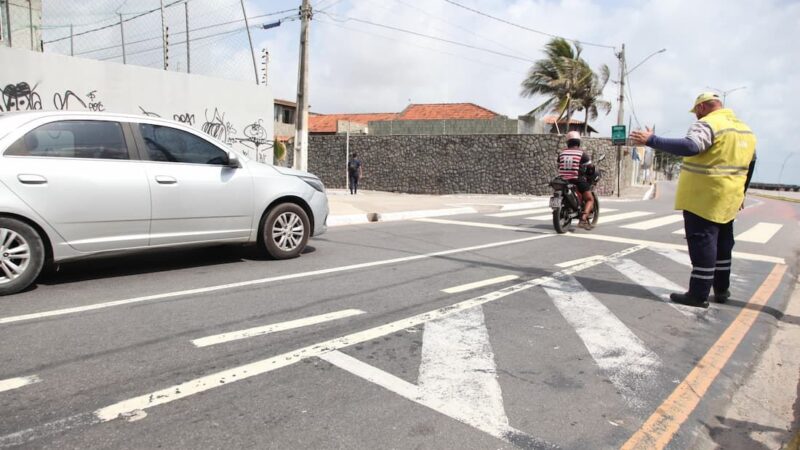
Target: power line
527 28
206 27
402 30
139 52
494 66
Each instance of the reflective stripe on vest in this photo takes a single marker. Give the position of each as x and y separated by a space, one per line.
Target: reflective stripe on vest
711 184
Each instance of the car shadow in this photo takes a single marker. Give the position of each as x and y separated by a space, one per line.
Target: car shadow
151 262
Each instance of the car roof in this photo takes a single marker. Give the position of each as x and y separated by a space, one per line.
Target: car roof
33 115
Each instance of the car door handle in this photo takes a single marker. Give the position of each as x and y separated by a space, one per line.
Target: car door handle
163 179
25 178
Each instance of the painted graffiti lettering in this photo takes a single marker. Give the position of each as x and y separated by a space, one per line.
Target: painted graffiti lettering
61 101
20 97
216 127
256 139
148 113
94 104
184 118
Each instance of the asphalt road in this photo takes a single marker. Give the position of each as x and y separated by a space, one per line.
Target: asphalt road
377 337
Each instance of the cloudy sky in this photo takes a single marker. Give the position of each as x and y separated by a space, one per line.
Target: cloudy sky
359 64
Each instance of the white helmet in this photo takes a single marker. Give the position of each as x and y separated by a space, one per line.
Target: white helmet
573 135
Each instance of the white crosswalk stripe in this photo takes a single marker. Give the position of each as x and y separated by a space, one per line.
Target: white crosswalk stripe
761 233
622 216
550 216
524 212
625 358
655 223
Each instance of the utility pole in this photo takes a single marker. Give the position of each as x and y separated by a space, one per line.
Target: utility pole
301 135
163 36
620 114
188 41
122 36
250 40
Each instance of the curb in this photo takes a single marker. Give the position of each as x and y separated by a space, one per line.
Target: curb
777 197
355 219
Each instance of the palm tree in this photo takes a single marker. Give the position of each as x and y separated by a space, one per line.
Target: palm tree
589 98
558 76
568 81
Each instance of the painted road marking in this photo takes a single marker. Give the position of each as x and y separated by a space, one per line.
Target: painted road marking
761 233
657 285
524 212
664 423
16 383
622 216
681 232
274 328
550 216
579 261
221 287
208 382
679 257
606 238
457 366
405 215
526 205
479 284
654 223
414 393
495 226
625 358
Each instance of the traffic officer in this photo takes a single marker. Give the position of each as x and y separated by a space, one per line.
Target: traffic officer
718 161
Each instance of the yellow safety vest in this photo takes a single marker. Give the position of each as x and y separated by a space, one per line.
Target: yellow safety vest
711 184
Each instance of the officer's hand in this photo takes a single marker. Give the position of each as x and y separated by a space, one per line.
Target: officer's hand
640 137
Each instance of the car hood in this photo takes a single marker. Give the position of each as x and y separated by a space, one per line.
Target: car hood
293 172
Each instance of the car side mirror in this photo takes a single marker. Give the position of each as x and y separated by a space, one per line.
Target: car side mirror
233 161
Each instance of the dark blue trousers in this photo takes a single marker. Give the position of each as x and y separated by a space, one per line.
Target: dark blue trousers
353 184
710 248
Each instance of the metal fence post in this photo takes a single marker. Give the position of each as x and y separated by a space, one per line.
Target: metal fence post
71 41
250 39
122 35
188 48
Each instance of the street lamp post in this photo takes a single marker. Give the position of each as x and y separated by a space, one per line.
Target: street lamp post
783 166
725 93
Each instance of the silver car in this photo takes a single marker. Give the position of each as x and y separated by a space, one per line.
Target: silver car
74 185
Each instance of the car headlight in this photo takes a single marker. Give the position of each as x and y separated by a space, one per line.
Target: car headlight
315 183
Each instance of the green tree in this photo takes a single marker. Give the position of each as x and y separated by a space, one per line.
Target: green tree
590 95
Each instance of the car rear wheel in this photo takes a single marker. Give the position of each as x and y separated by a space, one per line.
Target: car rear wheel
21 255
285 231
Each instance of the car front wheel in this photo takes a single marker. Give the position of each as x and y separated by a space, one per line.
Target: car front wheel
285 231
21 255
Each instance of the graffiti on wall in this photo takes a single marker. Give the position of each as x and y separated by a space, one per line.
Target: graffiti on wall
254 141
20 97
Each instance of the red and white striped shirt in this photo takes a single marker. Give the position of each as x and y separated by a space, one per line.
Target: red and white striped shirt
569 163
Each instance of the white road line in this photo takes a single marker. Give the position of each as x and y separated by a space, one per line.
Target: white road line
654 223
479 284
406 215
761 233
205 290
550 216
680 231
657 285
274 328
679 257
495 226
579 261
526 205
627 361
417 395
622 216
208 382
523 212
607 238
15 383
457 366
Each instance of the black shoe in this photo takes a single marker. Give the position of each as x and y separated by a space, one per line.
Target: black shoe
722 297
686 299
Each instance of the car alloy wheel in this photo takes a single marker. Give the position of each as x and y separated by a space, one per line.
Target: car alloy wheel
22 255
288 231
15 256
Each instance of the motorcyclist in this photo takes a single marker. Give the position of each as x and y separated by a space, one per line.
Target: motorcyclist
573 165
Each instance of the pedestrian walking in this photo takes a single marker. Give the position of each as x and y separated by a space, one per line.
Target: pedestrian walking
354 172
718 161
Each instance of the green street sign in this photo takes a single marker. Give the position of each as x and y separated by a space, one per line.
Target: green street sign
618 135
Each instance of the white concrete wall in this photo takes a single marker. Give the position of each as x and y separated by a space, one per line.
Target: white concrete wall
237 113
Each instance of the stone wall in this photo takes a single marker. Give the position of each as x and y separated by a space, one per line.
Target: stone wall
475 164
499 125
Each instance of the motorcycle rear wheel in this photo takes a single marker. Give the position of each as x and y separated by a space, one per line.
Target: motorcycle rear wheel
561 219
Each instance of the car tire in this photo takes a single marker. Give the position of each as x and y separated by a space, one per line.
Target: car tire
18 268
285 230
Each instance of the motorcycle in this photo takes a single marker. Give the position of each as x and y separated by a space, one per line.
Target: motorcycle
567 202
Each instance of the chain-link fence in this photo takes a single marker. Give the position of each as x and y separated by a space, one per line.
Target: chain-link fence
207 37
19 21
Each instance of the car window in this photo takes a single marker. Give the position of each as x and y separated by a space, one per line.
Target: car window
73 139
173 145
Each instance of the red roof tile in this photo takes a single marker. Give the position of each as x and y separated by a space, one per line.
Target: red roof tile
445 111
326 123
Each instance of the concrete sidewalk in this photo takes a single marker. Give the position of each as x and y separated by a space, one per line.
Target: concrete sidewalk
376 206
